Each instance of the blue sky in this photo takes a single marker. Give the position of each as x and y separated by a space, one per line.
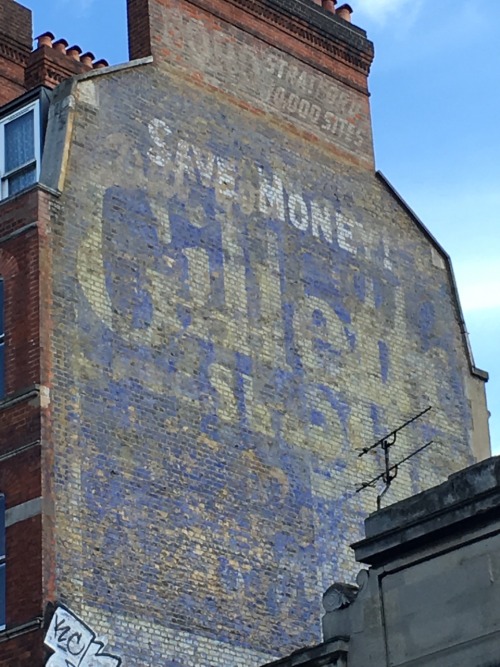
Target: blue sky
435 104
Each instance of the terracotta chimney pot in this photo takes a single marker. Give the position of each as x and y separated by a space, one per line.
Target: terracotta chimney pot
87 59
329 5
60 46
45 39
74 52
344 12
101 63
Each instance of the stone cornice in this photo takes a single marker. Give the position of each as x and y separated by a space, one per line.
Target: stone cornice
304 29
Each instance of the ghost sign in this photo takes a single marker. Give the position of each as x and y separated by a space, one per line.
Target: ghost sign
75 644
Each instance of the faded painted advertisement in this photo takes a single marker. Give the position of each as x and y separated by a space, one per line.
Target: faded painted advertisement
240 316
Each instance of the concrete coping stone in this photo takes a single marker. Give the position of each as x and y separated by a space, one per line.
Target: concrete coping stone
463 497
315 656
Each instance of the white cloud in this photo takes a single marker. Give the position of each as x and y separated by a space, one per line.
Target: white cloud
80 7
380 10
479 284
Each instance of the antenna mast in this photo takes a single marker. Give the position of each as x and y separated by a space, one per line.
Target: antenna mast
391 470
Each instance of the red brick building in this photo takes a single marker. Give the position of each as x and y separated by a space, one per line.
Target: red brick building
208 301
27 76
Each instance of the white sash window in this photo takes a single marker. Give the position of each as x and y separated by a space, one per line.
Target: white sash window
19 150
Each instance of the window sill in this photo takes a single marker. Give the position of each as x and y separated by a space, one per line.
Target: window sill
35 186
25 628
18 397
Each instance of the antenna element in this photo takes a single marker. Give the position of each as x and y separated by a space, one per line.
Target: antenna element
391 470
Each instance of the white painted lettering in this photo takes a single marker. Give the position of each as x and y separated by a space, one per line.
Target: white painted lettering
158 131
321 222
204 163
344 234
297 211
271 201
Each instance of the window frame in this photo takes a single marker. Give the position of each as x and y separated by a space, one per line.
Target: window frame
37 138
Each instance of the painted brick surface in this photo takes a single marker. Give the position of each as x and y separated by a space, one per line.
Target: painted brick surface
264 78
235 313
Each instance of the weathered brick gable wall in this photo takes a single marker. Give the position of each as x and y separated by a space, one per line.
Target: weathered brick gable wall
235 312
263 76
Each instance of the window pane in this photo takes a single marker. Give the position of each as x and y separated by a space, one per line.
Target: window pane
19 141
22 180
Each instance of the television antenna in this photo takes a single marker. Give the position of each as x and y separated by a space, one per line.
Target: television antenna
391 469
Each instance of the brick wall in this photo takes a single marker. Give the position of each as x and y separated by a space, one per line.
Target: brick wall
24 583
23 650
271 57
21 219
15 47
221 309
237 309
19 268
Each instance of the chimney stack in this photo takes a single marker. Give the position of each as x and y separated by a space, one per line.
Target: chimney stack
301 60
16 39
312 30
21 68
53 61
345 12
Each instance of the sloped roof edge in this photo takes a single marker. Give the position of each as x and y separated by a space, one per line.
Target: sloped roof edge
477 372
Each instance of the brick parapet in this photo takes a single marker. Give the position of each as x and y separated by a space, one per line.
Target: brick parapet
16 23
13 59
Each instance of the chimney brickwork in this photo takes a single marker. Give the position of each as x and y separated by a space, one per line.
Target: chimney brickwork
54 61
282 72
23 68
15 48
